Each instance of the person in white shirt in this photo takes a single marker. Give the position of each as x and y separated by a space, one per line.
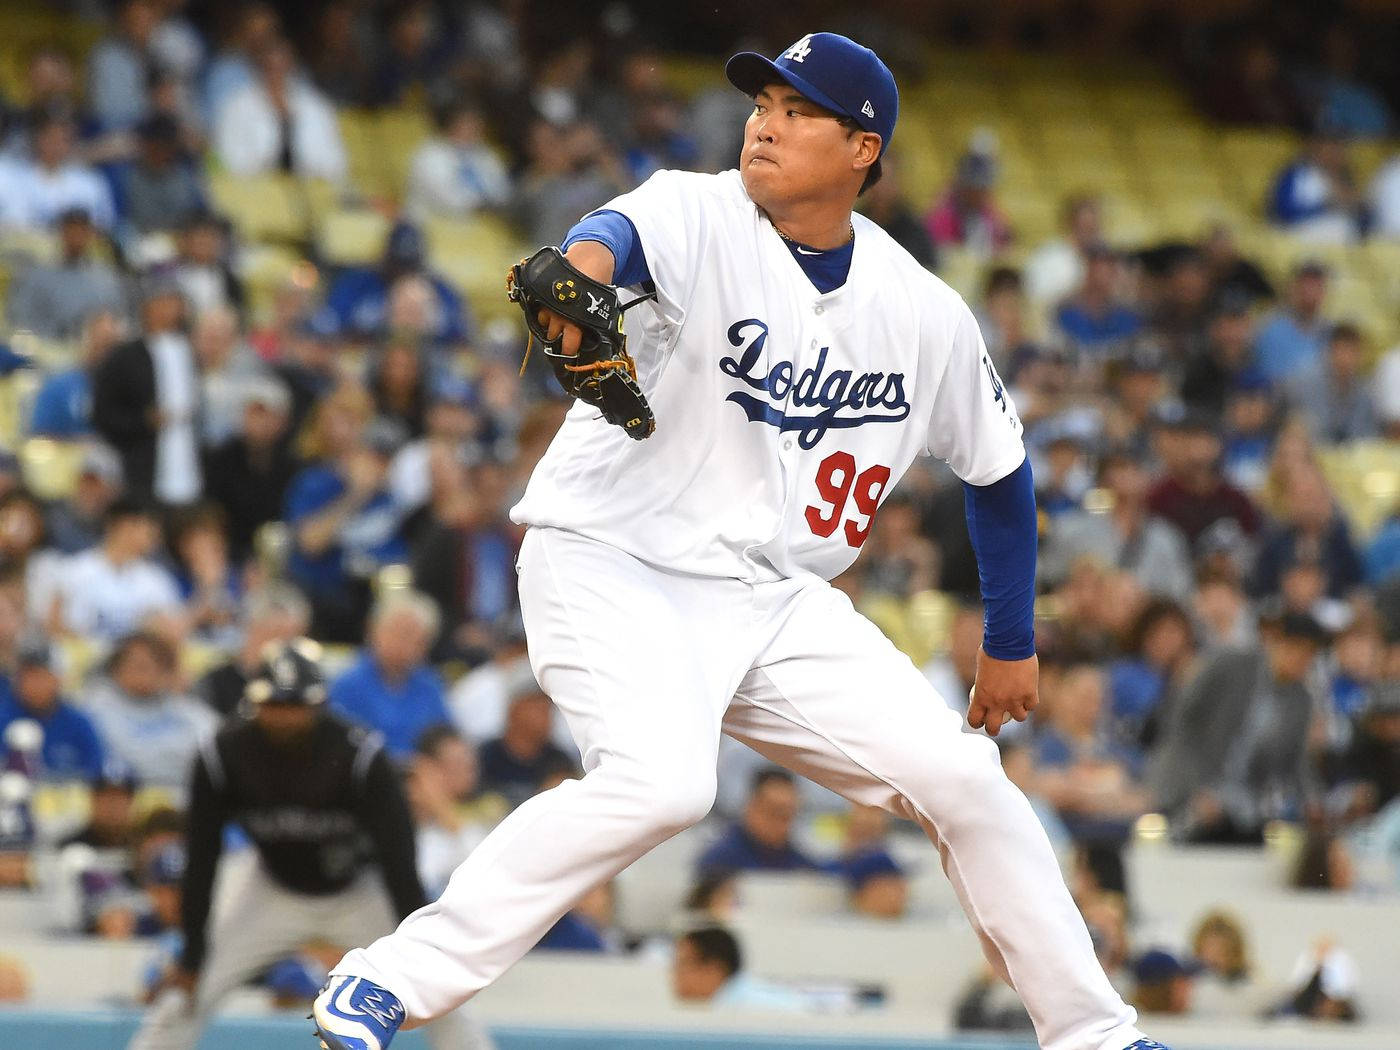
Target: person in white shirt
279 122
35 191
456 173
1056 268
110 590
1385 199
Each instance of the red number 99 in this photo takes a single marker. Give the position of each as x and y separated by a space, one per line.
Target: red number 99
837 481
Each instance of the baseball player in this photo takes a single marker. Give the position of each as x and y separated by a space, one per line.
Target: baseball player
791 361
322 804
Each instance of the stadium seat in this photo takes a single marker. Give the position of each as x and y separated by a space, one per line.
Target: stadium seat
262 207
50 468
352 237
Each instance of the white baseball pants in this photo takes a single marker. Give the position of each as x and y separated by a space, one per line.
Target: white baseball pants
649 668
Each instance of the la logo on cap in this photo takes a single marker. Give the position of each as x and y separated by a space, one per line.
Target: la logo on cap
799 50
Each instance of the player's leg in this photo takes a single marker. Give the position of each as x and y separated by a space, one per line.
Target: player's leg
834 700
362 913
257 922
642 664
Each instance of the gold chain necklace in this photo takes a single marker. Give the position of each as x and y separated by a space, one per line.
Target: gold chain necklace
850 236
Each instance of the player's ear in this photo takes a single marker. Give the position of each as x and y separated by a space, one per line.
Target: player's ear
867 150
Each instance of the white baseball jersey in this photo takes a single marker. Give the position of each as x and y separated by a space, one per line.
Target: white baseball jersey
783 415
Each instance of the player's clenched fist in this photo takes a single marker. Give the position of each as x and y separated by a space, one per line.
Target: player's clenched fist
1004 690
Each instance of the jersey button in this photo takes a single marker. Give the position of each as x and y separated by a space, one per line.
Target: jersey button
787 444
818 308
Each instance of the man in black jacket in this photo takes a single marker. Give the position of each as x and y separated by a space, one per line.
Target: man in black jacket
324 808
145 399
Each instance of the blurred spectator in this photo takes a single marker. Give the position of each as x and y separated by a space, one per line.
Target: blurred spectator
1192 494
454 428
111 821
54 300
1316 197
1313 531
886 205
571 171
714 897
227 367
1384 199
1231 273
209 583
1128 535
1003 318
77 522
121 905
278 122
109 590
1334 393
1293 335
586 927
390 687
63 403
145 395
1138 387
705 960
50 87
71 748
399 382
250 472
967 216
1219 946
416 55
659 136
1157 655
1370 766
1227 354
878 885
1095 321
523 759
249 29
1324 981
481 697
118 66
1056 268
1234 747
276 613
36 190
762 839
1252 87
160 188
341 55
456 173
442 778
1250 421
360 298
202 267
465 560
1063 478
309 363
1340 98
1163 983
145 723
345 527
1080 769
1180 300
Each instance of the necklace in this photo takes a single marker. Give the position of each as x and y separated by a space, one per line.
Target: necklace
850 235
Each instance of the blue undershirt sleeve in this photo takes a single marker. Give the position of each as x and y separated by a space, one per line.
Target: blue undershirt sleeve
615 232
1001 520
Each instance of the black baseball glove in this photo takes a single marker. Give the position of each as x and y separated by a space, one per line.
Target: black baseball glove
602 374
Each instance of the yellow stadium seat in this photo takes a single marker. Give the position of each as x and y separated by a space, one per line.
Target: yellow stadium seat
50 468
352 237
359 131
263 207
401 132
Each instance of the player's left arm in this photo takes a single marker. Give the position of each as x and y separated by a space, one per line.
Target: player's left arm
974 428
384 814
1001 521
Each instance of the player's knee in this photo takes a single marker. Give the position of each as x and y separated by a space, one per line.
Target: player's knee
681 800
971 771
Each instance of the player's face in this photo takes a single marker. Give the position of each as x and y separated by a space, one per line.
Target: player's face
795 150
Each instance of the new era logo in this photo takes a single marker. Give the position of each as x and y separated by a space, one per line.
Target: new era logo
799 50
868 109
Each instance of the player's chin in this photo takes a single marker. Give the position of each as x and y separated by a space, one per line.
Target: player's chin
761 178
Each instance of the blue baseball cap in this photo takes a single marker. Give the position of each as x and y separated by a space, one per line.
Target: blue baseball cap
833 71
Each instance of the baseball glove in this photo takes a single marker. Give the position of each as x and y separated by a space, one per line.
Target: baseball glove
602 374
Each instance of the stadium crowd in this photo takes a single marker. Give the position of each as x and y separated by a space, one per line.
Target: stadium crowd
1219 642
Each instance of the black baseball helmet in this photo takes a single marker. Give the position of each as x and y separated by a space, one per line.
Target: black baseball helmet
290 673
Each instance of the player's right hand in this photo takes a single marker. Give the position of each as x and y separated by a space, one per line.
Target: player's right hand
557 326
